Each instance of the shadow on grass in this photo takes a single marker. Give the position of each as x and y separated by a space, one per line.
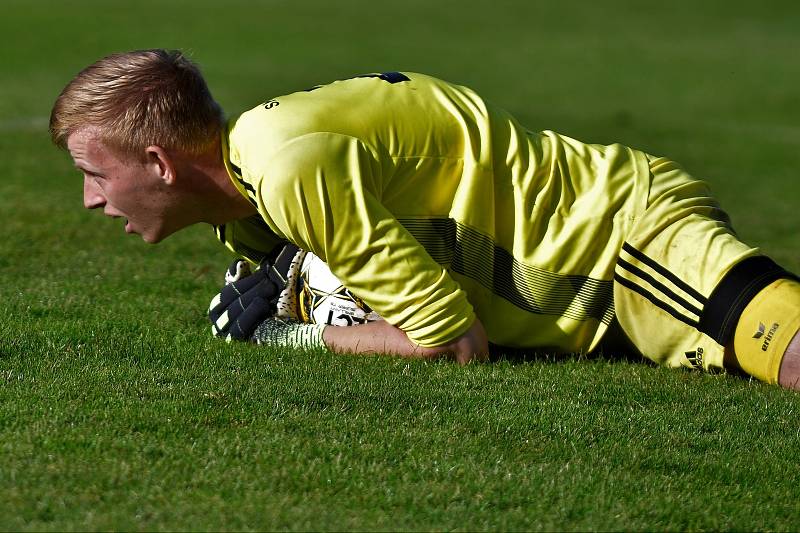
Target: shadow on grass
614 347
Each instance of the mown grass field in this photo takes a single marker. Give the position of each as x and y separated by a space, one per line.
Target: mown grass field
119 411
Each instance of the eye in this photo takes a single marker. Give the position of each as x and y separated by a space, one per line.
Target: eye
96 179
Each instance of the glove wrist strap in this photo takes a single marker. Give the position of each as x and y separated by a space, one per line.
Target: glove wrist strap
289 334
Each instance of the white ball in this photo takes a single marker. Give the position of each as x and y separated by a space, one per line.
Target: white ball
324 300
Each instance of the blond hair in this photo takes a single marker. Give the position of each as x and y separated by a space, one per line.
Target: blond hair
137 99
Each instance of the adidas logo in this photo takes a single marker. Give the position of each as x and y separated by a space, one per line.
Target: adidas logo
695 358
760 333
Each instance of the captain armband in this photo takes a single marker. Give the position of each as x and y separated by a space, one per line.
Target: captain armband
755 308
767 326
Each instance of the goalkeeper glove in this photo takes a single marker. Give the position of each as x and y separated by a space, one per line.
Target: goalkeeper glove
248 299
262 307
242 304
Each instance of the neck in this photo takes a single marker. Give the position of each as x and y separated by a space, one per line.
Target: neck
216 198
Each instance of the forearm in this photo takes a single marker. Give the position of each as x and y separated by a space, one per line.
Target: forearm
381 337
246 307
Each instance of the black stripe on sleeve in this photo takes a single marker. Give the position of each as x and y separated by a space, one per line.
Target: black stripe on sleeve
221 232
238 172
655 301
734 292
638 272
664 272
468 252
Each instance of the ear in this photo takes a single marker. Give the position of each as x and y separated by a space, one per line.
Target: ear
161 163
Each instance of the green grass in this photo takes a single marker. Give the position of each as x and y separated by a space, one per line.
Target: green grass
118 411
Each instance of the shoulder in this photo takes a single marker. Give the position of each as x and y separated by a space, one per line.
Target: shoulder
321 158
285 123
267 126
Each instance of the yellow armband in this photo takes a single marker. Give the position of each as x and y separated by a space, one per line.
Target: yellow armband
766 327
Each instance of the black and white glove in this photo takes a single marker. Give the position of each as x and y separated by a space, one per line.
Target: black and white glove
262 307
244 302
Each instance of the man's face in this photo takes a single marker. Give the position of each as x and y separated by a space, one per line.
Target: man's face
125 186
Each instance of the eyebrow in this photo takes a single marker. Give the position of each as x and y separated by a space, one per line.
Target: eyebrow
87 171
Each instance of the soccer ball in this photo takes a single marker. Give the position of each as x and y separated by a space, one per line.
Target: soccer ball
324 300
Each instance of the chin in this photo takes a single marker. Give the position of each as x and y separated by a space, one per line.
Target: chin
158 235
153 237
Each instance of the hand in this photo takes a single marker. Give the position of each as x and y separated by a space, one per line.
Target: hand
249 299
243 303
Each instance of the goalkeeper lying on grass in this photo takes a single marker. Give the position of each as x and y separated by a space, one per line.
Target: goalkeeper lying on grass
451 220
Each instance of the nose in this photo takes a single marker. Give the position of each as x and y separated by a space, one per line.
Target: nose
92 195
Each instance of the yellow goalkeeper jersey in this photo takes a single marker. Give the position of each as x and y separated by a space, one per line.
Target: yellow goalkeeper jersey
435 206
